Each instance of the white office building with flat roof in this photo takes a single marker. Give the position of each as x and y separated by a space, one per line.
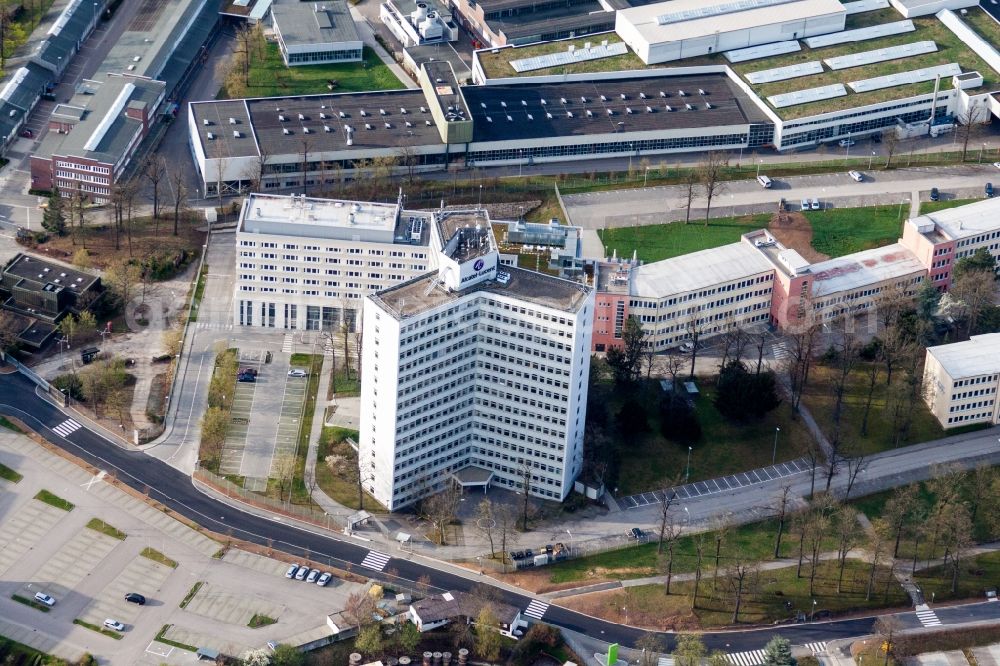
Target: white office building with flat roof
306 263
961 381
475 374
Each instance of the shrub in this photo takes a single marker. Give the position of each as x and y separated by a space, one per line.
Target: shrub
69 383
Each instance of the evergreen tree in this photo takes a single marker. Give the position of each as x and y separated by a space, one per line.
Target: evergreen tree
778 652
54 219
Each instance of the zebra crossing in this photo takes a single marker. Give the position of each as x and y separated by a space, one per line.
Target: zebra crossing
780 350
286 345
67 428
375 560
816 648
748 658
927 617
536 609
219 326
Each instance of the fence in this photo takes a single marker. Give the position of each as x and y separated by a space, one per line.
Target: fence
26 371
305 514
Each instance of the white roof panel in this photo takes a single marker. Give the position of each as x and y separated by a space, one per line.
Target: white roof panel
783 73
698 270
860 34
594 52
904 78
979 355
863 269
730 7
762 51
881 55
865 6
807 95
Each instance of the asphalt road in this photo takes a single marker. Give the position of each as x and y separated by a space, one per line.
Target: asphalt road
175 490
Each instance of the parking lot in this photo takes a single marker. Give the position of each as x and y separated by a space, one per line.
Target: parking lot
290 417
234 448
88 573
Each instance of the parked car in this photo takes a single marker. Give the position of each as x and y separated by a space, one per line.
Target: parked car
323 579
291 571
935 195
27 133
249 371
856 175
43 598
302 573
111 623
297 372
815 205
246 378
135 598
635 533
996 164
313 575
989 189
846 143
805 204
687 347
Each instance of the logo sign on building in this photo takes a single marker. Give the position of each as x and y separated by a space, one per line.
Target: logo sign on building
478 266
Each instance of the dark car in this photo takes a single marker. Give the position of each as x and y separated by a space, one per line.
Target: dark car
935 195
135 598
635 533
27 133
246 378
989 189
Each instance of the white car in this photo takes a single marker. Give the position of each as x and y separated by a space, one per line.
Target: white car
856 175
291 571
297 372
43 598
324 579
846 143
687 347
114 624
996 164
313 575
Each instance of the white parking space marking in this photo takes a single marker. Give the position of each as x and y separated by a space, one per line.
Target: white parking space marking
141 575
73 562
159 649
375 560
536 609
24 529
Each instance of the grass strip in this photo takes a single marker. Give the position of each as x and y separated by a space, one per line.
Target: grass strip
101 630
190 595
258 620
10 425
157 556
166 641
99 525
30 602
54 500
7 474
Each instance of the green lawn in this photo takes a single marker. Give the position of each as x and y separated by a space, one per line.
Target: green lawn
101 630
725 447
190 595
755 540
7 474
934 206
772 596
975 576
10 425
270 77
104 528
53 500
840 231
818 397
338 480
258 621
663 241
31 602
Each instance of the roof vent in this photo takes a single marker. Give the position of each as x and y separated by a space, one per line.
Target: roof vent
569 114
509 118
623 96
548 115
302 116
428 123
489 119
530 117
628 110
562 100
604 98
363 113
232 121
278 109
523 103
708 105
423 109
381 112
701 91
305 130
668 108
211 137
663 93
322 115
342 114
322 106
236 134
388 125
482 104
326 128
286 131
402 110
368 126
611 112
682 93
544 102
206 122
689 107
590 114
583 99
642 95
649 109
281 118
409 124
503 104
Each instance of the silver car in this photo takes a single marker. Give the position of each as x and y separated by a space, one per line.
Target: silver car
313 575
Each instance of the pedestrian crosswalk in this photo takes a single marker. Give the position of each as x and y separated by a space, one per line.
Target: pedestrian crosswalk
748 658
927 617
375 560
816 648
780 350
536 609
207 325
67 427
286 345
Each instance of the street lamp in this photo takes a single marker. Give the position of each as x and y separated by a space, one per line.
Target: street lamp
812 618
687 516
631 147
981 149
870 160
520 162
759 162
687 474
774 453
645 177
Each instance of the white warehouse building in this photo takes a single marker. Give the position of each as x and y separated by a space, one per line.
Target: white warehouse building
677 29
305 263
475 374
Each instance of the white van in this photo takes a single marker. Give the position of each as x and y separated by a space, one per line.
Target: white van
764 181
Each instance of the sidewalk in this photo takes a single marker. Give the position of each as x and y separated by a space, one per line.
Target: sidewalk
368 37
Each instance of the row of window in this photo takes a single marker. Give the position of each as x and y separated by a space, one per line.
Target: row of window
985 379
970 417
973 394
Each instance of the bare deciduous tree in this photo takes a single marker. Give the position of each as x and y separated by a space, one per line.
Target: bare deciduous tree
710 175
